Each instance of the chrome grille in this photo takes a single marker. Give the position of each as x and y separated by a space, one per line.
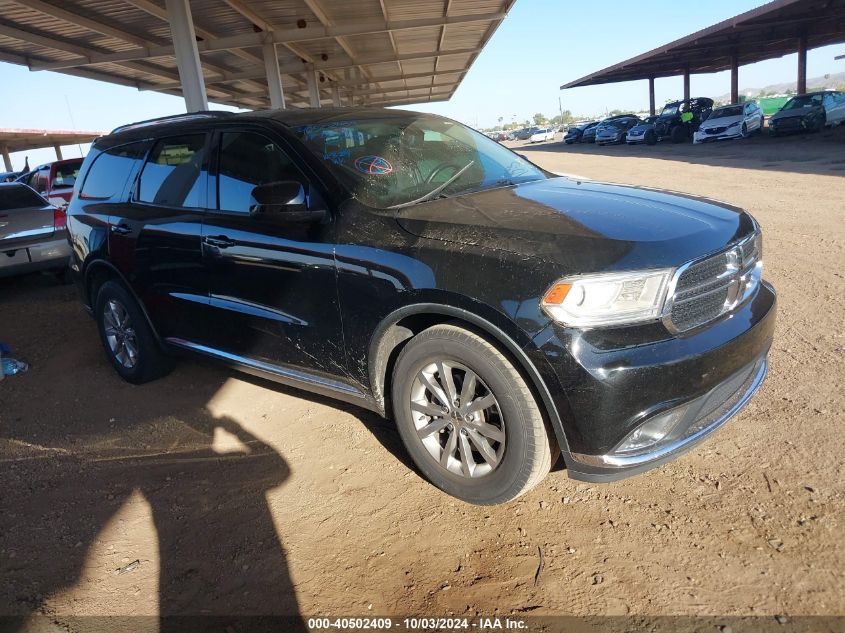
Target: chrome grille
707 289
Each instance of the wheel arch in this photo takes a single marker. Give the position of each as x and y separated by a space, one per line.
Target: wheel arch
98 272
402 324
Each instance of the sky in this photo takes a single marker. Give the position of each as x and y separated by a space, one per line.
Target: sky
539 46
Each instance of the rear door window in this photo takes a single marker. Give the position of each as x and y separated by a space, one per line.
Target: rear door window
66 175
110 170
175 172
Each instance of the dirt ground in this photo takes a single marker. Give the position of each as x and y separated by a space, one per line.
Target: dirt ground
240 496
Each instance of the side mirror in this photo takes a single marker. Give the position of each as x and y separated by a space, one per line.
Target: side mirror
284 201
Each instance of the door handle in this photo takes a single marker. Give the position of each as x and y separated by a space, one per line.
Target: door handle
121 229
219 241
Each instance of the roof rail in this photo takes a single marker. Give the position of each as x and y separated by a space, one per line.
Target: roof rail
190 116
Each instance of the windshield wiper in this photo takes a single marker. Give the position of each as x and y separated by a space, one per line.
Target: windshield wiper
434 192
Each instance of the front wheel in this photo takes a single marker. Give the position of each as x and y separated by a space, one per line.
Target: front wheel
467 417
650 138
744 131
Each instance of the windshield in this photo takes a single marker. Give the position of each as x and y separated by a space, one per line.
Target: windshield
726 111
394 160
670 110
804 101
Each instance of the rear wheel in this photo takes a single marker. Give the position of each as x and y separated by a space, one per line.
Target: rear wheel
127 337
467 417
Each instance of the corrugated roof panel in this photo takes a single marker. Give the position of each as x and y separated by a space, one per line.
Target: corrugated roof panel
127 27
417 40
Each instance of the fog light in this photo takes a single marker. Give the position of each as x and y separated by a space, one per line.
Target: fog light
650 433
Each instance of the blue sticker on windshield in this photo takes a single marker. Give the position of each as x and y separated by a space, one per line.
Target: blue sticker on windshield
337 156
373 165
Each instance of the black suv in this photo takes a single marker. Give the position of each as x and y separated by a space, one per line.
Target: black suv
408 264
679 120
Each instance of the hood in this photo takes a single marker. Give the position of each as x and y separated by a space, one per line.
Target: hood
797 112
722 121
581 226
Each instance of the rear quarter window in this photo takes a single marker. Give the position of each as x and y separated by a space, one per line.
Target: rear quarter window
110 170
19 197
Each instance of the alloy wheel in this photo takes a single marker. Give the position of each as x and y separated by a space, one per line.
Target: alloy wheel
458 419
120 334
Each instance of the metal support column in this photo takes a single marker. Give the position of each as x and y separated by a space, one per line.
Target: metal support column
313 87
686 83
274 78
58 149
802 64
734 78
187 55
7 160
336 96
651 108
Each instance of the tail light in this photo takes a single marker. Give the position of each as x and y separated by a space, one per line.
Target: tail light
59 218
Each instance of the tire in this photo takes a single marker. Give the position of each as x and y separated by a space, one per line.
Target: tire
821 121
519 448
678 134
650 138
123 328
744 131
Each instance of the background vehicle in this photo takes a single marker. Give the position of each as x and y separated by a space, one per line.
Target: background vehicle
731 121
615 130
33 232
643 132
472 368
809 112
679 120
10 176
588 134
573 134
542 135
525 133
54 180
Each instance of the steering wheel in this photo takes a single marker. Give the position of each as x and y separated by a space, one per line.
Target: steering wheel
440 168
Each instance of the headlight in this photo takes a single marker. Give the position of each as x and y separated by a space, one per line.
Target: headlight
608 299
734 124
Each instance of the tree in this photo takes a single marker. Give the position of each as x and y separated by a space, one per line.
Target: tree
540 118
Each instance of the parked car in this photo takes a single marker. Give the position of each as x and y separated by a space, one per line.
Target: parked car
10 176
525 133
54 180
497 313
573 134
542 135
32 232
809 112
679 120
643 132
588 134
615 130
737 120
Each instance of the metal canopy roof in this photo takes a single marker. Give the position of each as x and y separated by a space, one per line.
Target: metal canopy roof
772 30
19 140
383 52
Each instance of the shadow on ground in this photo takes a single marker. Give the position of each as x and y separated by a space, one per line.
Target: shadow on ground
220 546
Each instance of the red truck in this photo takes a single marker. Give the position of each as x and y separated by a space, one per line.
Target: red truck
54 181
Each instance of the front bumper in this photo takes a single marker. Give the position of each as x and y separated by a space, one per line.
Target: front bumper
701 137
634 139
602 140
606 383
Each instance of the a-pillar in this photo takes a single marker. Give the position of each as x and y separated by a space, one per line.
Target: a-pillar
187 55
